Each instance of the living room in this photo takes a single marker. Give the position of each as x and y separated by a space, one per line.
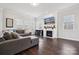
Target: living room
39 29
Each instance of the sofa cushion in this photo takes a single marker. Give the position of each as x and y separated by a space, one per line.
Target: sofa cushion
20 31
7 36
14 35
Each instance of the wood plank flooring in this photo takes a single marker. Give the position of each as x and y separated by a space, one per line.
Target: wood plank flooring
53 47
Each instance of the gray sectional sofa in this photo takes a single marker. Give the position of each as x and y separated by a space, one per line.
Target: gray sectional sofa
13 46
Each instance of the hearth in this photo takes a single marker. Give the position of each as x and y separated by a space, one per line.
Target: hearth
49 33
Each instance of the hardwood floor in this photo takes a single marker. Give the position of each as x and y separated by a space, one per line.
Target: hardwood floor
53 47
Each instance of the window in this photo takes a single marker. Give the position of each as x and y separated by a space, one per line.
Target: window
69 22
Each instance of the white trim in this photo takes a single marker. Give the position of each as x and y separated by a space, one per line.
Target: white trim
69 39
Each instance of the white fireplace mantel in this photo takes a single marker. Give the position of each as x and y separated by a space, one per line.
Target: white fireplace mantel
53 33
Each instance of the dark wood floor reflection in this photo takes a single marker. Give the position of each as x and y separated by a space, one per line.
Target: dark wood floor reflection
53 47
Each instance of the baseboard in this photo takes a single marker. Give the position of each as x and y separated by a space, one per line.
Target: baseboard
69 39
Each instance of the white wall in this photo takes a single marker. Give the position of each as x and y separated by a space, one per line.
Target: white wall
69 34
1 21
19 20
39 23
1 17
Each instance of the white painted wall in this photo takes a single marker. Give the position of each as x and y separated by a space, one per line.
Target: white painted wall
39 23
1 17
68 34
20 21
1 21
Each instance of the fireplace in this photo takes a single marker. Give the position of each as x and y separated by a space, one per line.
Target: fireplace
49 33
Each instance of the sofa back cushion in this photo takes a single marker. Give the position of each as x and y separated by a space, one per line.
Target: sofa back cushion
20 31
14 35
10 35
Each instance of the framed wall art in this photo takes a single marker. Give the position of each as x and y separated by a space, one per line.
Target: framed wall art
9 23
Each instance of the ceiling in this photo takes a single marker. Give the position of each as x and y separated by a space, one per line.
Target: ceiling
42 8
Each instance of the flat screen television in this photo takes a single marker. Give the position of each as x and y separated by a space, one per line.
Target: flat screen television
49 20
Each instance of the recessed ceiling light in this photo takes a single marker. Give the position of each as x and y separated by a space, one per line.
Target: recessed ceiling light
34 4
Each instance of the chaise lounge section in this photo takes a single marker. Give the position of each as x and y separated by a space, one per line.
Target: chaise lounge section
13 46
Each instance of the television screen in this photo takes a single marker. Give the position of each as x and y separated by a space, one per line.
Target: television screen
49 20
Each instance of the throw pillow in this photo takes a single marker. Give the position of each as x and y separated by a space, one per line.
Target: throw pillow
7 36
14 35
